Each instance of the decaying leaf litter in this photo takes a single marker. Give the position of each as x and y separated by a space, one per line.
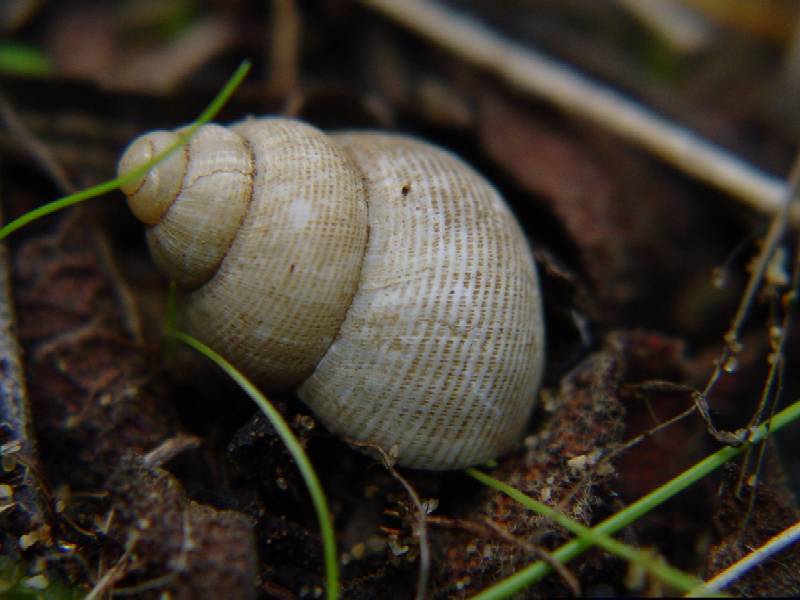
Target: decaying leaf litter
644 267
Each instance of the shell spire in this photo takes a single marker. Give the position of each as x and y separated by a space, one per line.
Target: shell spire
194 201
151 195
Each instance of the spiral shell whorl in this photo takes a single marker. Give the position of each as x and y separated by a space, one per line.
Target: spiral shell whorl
442 349
196 225
381 277
150 196
280 295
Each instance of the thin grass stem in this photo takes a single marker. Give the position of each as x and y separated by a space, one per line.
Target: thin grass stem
107 186
669 575
535 571
295 449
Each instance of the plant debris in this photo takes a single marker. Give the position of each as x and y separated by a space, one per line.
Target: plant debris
150 473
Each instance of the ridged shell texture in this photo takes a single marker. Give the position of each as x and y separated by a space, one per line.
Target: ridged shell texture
381 276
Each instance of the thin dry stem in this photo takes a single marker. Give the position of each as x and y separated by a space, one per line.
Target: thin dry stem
651 432
421 529
284 48
42 155
491 529
775 234
170 448
612 453
70 339
533 73
773 388
111 577
32 146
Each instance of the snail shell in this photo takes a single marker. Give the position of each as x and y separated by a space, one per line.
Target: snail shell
380 276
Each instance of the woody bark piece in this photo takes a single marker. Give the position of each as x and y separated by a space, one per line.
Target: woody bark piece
16 440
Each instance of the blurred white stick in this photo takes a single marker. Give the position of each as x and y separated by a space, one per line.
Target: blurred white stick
559 84
785 538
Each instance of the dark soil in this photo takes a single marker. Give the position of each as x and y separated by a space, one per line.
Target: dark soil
136 467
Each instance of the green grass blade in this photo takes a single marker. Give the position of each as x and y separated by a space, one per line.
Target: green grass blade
534 572
107 186
297 452
23 59
669 575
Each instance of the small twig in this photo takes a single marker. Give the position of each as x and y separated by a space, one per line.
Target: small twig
188 543
176 566
422 517
169 449
770 393
421 531
777 228
724 578
572 92
487 528
35 148
112 576
490 528
651 432
152 459
42 154
776 231
70 339
778 334
284 48
614 452
769 401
